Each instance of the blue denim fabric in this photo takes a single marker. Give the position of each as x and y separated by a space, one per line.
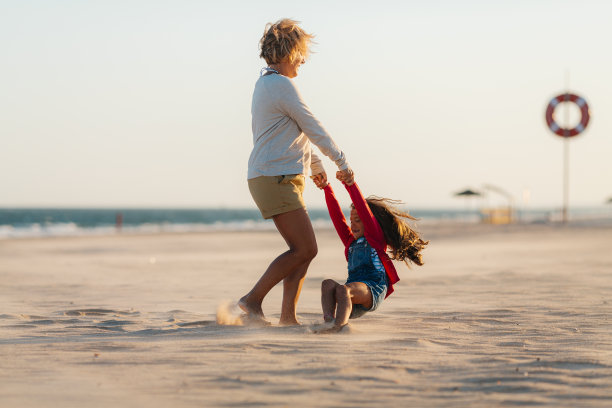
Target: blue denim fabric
361 268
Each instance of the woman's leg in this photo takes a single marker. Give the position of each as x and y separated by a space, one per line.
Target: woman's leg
296 229
328 299
292 287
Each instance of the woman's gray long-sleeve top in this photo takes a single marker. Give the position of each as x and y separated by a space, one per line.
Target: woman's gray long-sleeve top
283 128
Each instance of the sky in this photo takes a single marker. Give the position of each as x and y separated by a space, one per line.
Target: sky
147 103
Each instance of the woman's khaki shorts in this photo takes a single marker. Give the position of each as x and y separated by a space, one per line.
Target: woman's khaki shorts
277 194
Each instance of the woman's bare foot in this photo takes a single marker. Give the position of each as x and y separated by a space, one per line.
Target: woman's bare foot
289 322
254 320
251 309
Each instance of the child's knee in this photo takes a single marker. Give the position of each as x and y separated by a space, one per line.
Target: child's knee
343 292
328 285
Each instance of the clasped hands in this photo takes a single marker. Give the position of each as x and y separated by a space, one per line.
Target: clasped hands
346 176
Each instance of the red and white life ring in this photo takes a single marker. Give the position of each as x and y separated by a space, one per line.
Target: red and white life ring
584 110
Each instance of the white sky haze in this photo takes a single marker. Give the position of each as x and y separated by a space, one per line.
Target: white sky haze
147 103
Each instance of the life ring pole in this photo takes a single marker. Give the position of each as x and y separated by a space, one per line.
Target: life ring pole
566 151
562 129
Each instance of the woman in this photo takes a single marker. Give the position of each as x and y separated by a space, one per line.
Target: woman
283 128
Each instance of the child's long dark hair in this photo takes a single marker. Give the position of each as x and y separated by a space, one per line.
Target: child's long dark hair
406 244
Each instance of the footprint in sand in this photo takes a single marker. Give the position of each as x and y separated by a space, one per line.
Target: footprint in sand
201 323
96 312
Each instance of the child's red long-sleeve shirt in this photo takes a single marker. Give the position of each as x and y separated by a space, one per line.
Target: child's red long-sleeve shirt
372 231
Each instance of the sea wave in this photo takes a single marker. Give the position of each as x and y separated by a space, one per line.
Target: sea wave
40 223
71 229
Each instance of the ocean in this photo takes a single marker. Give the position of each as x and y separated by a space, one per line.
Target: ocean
50 222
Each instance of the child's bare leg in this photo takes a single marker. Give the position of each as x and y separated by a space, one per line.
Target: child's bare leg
328 299
346 296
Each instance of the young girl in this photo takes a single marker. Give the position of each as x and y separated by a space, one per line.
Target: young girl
375 225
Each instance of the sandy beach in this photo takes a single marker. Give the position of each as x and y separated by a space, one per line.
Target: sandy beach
498 316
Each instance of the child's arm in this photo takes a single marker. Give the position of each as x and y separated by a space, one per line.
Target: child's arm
372 230
337 217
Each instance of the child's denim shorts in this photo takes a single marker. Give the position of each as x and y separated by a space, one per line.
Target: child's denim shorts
376 281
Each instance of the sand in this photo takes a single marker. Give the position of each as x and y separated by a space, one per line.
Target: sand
499 316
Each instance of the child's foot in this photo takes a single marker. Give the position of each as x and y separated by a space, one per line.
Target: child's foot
328 318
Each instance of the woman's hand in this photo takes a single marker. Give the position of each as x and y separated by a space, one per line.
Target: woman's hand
320 180
346 176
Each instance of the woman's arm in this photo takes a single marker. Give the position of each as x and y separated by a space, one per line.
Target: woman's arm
293 105
316 166
337 217
372 230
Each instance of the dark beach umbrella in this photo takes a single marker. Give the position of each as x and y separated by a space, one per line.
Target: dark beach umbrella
468 193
